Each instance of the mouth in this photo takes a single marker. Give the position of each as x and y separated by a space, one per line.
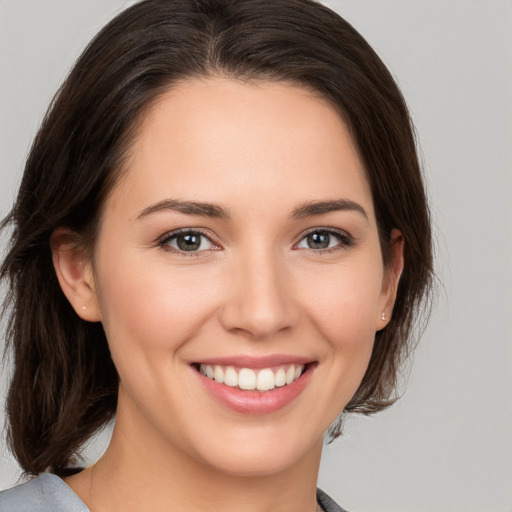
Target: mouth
254 387
250 379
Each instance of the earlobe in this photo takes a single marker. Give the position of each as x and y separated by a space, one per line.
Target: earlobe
393 271
74 273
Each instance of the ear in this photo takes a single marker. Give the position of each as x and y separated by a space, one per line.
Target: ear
392 274
74 272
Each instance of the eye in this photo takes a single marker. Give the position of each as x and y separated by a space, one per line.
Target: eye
187 241
322 239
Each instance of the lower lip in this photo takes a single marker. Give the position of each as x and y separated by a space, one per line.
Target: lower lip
256 402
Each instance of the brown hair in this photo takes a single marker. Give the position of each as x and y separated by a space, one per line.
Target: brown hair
64 385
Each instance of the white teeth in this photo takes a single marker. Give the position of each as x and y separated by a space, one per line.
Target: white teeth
231 377
290 374
246 379
280 377
265 379
218 374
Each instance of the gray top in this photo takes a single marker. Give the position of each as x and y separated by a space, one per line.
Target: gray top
48 493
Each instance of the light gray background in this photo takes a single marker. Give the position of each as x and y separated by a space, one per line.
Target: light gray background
447 445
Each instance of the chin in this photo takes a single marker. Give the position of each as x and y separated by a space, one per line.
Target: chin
262 454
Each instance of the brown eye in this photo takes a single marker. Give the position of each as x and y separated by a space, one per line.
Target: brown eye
318 240
188 241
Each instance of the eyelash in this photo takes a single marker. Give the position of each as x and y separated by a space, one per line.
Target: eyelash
345 241
167 238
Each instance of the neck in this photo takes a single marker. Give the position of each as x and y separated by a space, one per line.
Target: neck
147 472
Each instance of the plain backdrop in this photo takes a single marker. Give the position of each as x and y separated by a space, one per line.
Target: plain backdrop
446 446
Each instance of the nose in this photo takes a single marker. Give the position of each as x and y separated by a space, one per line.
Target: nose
259 302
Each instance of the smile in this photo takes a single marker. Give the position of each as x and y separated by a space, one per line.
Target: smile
255 385
262 379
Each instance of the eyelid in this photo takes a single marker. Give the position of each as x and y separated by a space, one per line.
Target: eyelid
347 240
163 241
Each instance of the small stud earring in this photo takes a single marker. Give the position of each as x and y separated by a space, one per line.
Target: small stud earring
383 316
84 307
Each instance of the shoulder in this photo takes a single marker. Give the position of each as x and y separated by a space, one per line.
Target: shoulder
327 503
46 493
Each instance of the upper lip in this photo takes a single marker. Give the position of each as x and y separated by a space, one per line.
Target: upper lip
246 361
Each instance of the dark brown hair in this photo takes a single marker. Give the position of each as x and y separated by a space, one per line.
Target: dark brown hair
64 385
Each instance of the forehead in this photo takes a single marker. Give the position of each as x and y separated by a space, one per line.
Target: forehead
218 139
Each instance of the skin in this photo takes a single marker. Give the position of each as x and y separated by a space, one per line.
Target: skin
259 151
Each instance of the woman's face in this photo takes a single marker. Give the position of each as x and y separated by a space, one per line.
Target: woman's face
240 243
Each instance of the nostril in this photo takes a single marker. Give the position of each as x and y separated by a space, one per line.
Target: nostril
259 305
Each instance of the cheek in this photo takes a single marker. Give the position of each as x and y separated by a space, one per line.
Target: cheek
344 302
150 308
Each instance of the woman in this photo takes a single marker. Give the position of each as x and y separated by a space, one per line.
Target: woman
221 238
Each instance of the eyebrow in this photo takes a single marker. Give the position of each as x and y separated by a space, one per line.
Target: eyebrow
203 209
186 207
313 208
